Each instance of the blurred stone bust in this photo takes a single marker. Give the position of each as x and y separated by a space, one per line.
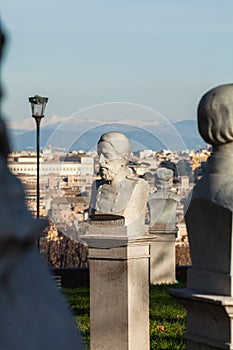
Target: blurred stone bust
215 123
23 276
15 220
162 203
118 191
209 212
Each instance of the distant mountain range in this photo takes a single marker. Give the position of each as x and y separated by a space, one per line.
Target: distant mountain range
73 134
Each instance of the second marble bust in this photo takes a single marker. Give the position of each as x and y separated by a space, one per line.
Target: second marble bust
118 191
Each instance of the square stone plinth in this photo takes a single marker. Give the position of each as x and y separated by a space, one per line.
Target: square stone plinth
119 297
107 236
162 257
209 319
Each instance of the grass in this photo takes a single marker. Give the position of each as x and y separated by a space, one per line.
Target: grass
167 318
79 301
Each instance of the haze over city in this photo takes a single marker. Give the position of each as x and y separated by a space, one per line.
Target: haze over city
163 55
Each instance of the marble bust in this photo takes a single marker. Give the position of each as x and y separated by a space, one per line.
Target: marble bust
209 212
118 192
162 203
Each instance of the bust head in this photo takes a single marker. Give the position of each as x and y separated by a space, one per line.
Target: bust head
215 115
114 151
164 178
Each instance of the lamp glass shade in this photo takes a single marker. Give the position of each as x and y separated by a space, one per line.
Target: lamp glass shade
38 105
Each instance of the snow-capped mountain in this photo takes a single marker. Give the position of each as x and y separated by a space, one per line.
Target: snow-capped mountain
75 134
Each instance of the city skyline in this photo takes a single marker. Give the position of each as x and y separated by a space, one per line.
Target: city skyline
164 56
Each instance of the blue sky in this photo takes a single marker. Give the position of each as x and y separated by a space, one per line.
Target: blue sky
163 54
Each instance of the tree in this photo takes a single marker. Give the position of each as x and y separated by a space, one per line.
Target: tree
184 168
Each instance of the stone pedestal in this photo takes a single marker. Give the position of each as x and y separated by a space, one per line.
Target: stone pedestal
209 319
210 230
208 299
208 216
119 289
162 256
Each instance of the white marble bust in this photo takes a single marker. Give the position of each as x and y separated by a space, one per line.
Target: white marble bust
118 191
163 202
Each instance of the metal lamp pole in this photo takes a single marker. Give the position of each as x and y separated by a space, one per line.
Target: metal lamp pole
38 120
38 105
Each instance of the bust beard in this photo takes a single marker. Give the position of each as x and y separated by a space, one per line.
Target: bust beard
108 173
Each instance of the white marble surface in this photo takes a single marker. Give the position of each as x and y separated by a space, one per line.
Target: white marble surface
118 191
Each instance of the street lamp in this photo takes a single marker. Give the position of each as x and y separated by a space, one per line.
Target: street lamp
38 105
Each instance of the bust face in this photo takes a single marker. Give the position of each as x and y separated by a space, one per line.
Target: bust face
110 161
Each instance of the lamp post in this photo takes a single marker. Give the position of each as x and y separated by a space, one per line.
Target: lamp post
38 105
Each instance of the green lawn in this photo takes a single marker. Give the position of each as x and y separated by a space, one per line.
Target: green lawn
167 318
